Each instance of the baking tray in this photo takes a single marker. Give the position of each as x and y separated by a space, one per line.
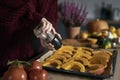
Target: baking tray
108 73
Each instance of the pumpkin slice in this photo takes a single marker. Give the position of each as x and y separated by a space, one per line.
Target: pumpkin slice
102 51
96 69
66 48
87 56
73 65
98 60
66 54
67 65
87 49
52 63
84 61
107 56
58 57
78 66
86 52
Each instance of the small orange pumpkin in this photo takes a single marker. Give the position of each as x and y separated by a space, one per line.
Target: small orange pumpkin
97 26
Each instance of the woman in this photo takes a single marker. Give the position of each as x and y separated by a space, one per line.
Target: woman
18 21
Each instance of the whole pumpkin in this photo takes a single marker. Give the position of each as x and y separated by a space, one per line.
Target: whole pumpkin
97 26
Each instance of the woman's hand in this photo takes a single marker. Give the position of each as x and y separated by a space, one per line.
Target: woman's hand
46 27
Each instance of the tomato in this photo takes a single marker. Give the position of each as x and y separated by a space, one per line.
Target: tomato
34 65
36 74
15 73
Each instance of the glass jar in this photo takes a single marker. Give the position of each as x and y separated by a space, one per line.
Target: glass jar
49 37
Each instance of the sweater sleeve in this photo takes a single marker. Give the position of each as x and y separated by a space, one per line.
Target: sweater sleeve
51 14
41 8
29 12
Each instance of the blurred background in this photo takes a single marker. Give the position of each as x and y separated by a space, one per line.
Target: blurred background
108 10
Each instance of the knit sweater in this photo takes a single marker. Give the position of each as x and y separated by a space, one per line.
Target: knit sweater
18 18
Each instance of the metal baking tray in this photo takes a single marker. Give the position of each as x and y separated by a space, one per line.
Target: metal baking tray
108 73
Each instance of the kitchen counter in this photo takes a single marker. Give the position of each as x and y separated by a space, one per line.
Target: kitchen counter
65 76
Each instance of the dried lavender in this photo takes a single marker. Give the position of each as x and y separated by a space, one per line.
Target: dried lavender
72 14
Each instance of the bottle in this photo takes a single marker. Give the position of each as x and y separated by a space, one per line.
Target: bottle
103 11
50 38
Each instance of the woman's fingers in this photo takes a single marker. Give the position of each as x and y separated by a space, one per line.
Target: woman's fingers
53 30
47 45
36 32
47 26
43 43
51 47
59 36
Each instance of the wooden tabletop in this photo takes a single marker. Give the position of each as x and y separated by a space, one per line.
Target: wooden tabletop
64 76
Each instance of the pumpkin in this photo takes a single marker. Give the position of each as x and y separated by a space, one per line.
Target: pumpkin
97 26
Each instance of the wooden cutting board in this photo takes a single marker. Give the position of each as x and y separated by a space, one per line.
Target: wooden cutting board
75 42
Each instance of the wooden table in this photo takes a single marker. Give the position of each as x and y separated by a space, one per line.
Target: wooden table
63 76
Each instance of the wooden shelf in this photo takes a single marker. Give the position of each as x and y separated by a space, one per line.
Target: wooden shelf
113 22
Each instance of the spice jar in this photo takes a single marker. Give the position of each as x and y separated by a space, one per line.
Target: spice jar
49 37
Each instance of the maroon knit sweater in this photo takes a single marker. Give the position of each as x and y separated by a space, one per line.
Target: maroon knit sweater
17 20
